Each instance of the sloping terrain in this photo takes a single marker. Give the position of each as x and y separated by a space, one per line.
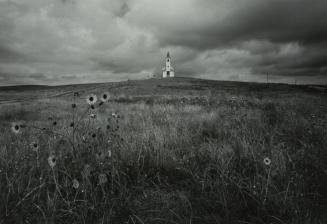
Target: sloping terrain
164 151
156 87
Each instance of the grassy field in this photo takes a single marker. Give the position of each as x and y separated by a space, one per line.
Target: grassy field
164 151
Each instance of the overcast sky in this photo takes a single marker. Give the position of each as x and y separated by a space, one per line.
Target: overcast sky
77 41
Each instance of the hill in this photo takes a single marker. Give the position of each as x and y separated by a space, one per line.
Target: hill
163 151
156 87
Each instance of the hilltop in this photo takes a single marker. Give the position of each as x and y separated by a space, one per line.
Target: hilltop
155 87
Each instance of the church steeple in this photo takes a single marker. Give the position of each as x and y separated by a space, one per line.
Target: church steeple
168 70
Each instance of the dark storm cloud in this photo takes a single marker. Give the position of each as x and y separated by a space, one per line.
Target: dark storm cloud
124 8
8 55
310 60
287 37
7 78
273 20
56 42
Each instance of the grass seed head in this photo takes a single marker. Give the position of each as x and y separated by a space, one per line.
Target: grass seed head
100 156
75 184
86 171
102 178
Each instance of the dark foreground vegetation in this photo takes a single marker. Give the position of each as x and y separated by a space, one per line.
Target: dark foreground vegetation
164 151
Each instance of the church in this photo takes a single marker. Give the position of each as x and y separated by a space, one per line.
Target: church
168 70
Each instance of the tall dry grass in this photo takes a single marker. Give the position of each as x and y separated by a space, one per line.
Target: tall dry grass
215 158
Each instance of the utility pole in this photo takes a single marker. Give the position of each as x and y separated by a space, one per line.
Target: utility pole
267 79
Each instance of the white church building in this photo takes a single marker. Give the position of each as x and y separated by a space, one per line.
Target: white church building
168 70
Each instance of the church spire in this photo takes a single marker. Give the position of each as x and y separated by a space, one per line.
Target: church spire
168 70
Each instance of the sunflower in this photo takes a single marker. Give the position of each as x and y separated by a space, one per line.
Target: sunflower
91 99
267 161
35 147
52 161
15 127
75 184
105 97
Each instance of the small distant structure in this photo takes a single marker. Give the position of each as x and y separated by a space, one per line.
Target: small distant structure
168 70
150 76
